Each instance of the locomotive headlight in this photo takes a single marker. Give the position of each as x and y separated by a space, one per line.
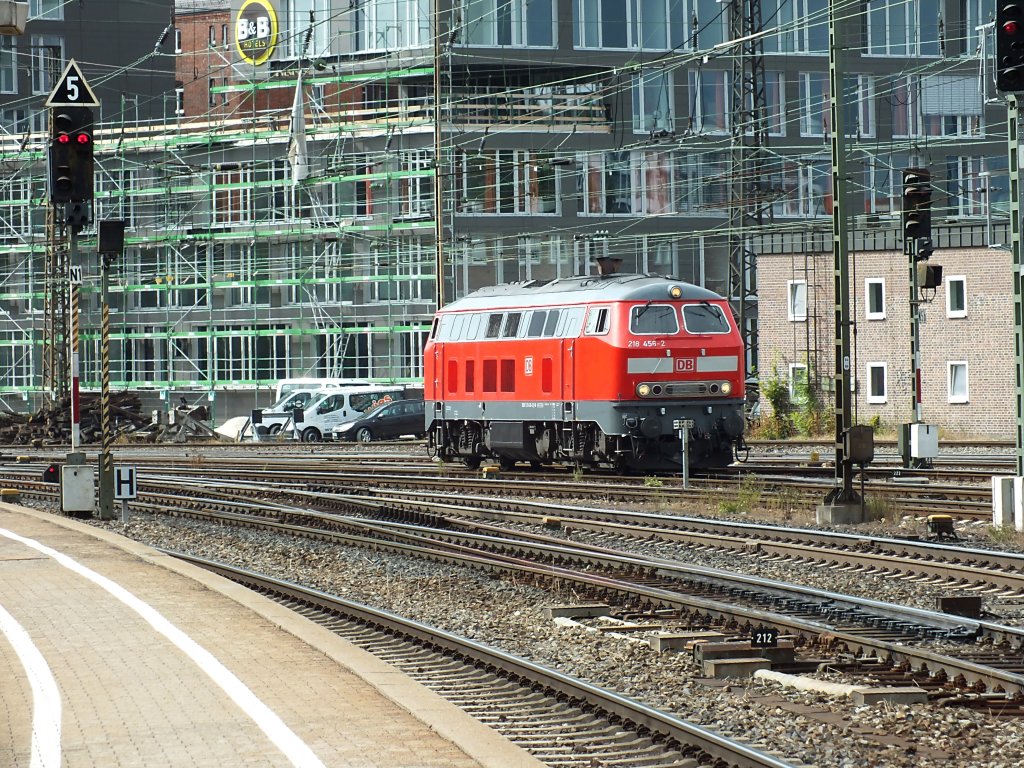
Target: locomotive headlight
726 387
643 390
675 292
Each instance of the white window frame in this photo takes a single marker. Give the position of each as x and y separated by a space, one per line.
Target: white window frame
912 21
8 64
868 313
649 118
717 79
41 70
585 29
951 367
809 104
950 312
792 300
794 369
874 397
481 29
179 101
38 10
177 40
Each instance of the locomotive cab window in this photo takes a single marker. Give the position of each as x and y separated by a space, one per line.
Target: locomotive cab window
653 318
705 318
597 321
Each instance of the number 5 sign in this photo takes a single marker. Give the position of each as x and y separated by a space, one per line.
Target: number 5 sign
71 90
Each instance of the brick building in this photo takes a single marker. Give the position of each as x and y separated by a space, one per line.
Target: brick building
967 335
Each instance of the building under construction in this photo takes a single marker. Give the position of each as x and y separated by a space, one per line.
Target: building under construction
280 195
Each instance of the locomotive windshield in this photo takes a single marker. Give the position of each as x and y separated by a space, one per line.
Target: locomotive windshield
653 318
704 318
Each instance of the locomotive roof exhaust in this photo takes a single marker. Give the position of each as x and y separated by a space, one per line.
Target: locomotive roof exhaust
608 265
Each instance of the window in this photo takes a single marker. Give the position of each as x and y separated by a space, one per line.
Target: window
224 34
597 321
806 185
213 35
511 327
494 325
704 318
652 102
8 64
621 24
814 103
957 380
380 25
899 28
47 61
709 94
517 23
797 382
179 101
874 297
211 96
607 184
46 9
177 40
956 296
877 373
653 318
797 306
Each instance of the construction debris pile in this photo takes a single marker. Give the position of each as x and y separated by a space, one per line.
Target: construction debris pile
51 424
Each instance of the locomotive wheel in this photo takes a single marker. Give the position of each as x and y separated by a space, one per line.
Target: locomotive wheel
505 464
473 462
311 435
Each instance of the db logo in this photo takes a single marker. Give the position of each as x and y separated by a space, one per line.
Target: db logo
686 364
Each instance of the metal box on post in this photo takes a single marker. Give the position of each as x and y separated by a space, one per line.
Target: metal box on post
924 441
77 488
860 444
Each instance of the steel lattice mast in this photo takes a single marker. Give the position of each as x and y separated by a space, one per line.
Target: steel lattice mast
749 203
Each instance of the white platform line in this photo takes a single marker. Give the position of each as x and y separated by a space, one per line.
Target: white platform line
46 704
293 748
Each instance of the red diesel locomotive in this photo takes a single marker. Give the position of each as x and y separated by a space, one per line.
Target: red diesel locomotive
597 370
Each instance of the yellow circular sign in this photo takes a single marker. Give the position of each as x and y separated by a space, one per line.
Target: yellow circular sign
256 31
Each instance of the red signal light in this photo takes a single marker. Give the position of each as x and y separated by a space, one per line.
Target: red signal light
1011 27
63 139
82 138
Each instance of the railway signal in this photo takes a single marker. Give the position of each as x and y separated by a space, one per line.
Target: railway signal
1010 46
71 155
917 209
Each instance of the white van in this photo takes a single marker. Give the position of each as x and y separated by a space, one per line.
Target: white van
284 386
329 408
275 416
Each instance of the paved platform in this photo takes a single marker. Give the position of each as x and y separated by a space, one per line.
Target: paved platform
114 655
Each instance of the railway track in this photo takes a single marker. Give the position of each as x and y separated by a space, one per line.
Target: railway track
853 625
562 721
